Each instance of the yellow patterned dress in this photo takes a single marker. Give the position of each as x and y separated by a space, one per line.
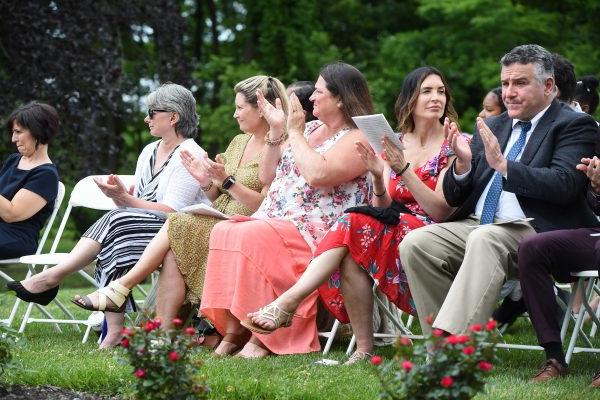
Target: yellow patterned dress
189 234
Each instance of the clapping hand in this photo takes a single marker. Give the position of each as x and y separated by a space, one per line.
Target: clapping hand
591 167
373 163
195 167
215 170
274 115
394 156
113 188
459 146
493 153
296 118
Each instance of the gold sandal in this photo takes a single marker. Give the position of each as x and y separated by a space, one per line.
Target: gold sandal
273 313
114 292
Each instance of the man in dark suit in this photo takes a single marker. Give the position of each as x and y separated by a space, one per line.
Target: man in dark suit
515 179
551 256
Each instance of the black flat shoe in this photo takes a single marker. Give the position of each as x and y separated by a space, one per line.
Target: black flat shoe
43 298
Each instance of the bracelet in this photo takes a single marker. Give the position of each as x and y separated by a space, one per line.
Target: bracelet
403 170
379 195
276 142
207 187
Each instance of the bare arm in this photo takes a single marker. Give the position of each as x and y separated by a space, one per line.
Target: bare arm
116 190
380 173
276 119
338 165
431 201
25 204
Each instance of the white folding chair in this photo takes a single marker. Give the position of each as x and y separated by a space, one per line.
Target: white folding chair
394 316
88 195
588 282
57 202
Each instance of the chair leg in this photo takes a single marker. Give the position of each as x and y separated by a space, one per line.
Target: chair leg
568 312
579 322
331 336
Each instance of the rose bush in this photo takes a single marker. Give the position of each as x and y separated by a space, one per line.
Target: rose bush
442 367
161 364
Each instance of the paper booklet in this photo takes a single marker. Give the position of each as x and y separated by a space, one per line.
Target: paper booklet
203 209
375 127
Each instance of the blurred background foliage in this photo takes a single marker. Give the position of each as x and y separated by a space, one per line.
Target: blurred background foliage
95 60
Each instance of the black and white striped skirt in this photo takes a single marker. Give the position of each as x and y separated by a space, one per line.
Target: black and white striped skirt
123 235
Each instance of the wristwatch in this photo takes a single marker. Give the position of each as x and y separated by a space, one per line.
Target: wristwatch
228 182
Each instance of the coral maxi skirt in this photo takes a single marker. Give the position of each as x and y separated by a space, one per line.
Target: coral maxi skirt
250 263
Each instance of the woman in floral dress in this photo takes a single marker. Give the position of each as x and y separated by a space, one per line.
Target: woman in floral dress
362 246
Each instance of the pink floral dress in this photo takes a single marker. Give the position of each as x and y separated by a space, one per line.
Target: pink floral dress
374 245
312 210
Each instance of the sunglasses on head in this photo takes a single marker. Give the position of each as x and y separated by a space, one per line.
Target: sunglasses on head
152 112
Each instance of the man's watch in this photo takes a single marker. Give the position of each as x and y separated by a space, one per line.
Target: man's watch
228 182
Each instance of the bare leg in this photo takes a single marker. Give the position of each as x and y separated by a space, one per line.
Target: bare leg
150 260
317 272
254 349
171 291
358 297
235 337
114 323
84 252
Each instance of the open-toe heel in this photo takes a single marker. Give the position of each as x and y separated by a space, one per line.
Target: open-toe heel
43 298
277 315
115 292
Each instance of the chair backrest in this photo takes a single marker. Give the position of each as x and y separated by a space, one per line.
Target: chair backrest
60 195
87 194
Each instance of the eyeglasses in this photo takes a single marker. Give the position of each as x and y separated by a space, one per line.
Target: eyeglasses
152 112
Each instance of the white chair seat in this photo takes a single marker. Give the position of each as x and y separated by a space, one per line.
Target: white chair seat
44 259
585 274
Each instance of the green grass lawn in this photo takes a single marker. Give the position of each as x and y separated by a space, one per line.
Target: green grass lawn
60 359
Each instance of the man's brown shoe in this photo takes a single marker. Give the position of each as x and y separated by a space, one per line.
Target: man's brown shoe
596 380
551 369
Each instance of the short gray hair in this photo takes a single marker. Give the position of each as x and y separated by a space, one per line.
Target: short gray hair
175 98
531 54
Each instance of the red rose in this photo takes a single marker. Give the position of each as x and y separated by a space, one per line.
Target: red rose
462 339
429 319
437 332
190 331
475 328
447 381
404 341
157 322
149 326
491 325
485 366
173 356
126 332
407 365
125 342
469 350
139 373
376 360
177 321
452 339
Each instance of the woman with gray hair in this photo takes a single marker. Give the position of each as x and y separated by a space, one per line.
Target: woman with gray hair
162 185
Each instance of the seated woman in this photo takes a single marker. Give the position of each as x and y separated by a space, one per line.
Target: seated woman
363 244
182 243
28 179
118 239
315 175
586 94
492 103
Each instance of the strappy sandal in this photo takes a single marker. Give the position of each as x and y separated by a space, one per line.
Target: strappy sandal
209 341
358 356
273 313
114 292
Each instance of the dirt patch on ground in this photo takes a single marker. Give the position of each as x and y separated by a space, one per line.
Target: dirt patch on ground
20 392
